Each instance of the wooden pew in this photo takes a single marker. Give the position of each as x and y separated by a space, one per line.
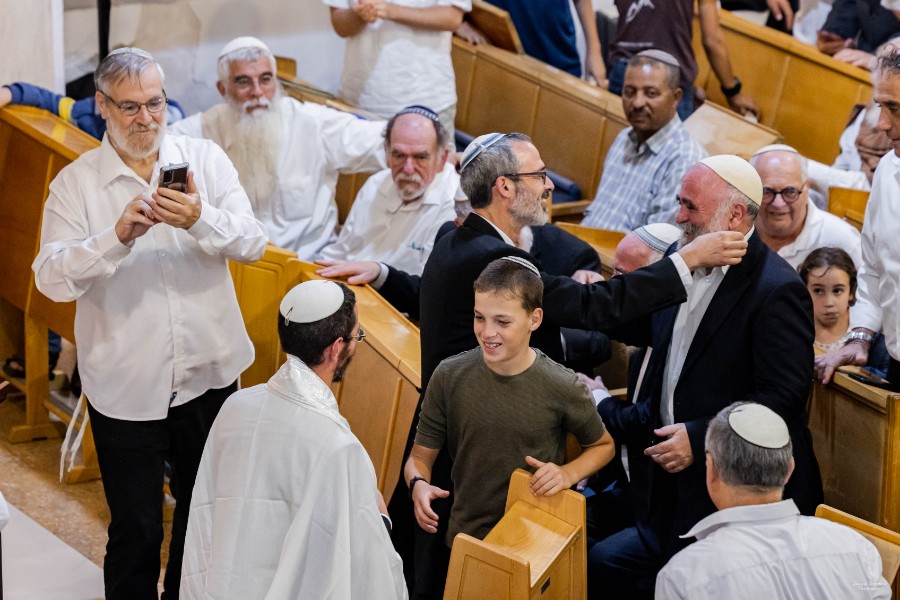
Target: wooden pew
722 131
379 393
537 550
886 541
572 122
496 25
850 205
34 147
804 94
856 434
603 241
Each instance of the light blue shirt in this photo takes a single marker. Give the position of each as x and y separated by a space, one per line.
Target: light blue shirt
640 182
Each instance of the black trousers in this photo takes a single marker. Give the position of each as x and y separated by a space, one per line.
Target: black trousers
132 457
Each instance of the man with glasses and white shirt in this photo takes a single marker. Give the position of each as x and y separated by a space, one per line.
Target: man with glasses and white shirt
160 337
788 222
288 153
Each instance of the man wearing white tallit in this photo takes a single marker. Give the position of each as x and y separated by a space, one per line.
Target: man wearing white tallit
286 503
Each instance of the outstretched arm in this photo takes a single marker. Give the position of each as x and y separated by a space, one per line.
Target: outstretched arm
717 52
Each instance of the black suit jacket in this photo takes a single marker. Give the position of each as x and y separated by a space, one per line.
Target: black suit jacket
446 298
754 343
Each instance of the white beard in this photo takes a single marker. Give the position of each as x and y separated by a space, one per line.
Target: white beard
254 150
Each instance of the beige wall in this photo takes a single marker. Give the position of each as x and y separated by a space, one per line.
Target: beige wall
31 29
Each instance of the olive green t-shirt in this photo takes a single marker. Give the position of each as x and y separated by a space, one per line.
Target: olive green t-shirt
491 422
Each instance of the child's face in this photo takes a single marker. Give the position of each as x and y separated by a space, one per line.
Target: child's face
830 290
503 327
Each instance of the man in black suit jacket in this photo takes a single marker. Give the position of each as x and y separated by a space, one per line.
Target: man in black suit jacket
745 334
503 177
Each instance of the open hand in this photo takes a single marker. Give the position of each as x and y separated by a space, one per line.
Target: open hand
673 454
423 494
356 272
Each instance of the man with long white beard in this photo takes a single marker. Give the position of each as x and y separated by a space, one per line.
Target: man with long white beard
288 153
398 211
160 337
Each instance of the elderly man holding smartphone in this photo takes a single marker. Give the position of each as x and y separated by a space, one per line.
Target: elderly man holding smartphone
160 337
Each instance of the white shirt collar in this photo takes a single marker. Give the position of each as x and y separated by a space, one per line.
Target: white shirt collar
755 513
503 236
296 382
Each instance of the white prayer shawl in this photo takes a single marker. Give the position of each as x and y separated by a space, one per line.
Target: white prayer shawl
284 506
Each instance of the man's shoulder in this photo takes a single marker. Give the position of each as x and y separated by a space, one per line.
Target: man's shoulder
683 145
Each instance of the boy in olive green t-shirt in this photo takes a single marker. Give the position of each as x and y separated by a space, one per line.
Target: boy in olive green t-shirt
502 406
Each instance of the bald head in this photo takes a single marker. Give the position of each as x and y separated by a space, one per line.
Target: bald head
644 246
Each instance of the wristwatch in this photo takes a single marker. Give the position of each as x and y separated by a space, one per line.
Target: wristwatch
413 482
858 336
734 90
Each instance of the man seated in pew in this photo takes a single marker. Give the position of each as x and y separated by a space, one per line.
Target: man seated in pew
745 333
398 211
758 545
288 153
879 273
501 406
83 114
645 164
669 26
862 145
855 29
160 337
788 222
286 504
503 176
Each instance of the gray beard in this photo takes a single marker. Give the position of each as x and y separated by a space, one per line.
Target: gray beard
255 149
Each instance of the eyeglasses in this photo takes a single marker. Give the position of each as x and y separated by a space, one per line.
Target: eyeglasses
244 83
129 108
541 174
788 194
359 337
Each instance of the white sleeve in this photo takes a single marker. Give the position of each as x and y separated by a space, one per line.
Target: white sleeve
226 225
70 260
191 126
351 144
867 310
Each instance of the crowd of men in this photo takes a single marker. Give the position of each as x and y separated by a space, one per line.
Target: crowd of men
277 498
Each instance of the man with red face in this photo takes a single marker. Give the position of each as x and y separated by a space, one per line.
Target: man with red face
398 211
288 153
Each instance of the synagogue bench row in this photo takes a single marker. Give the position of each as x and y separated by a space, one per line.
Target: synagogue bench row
803 94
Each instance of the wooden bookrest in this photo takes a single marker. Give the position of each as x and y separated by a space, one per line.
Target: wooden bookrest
604 241
536 551
496 25
887 542
850 205
722 131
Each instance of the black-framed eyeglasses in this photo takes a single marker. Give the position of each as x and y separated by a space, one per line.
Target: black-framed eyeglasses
541 174
359 337
129 108
789 194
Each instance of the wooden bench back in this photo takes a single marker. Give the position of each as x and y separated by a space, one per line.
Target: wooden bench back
722 131
571 122
886 541
803 94
850 205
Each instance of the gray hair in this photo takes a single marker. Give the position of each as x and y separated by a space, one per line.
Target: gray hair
889 59
673 75
804 171
742 464
478 177
735 196
248 54
124 63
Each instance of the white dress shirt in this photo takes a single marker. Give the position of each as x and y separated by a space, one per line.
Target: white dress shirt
157 323
318 144
389 65
770 551
284 507
822 229
877 298
383 228
700 294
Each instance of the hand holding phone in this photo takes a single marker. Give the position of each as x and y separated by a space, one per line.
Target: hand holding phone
174 177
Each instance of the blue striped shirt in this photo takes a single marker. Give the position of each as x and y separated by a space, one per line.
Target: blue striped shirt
639 184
